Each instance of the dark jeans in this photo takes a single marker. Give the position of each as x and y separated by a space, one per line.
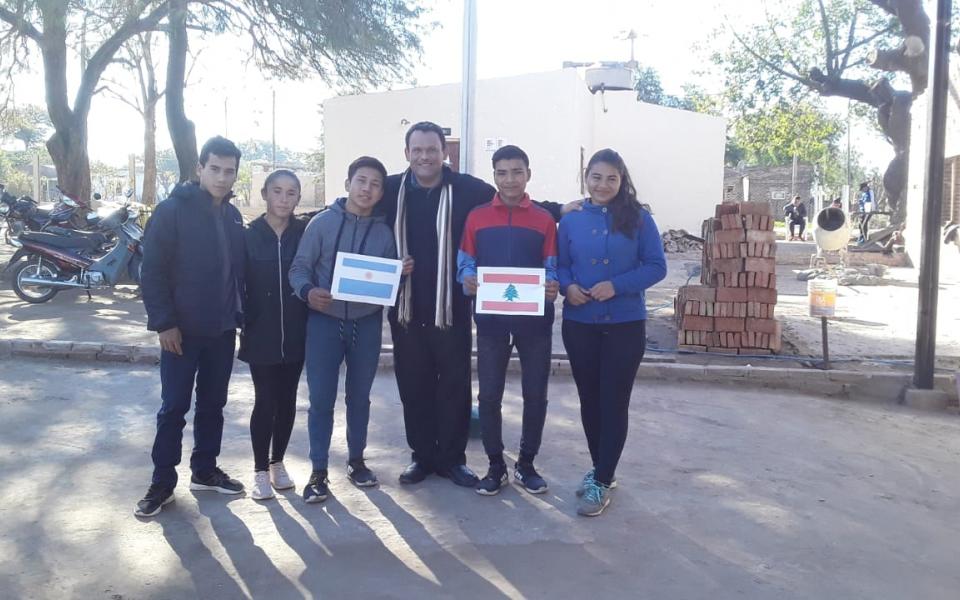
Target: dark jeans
432 367
493 355
274 410
208 362
801 224
330 343
604 360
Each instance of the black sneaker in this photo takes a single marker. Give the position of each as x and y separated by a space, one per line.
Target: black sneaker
316 490
493 481
216 481
527 477
360 475
151 505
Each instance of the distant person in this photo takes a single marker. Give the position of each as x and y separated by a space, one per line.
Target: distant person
837 203
511 231
865 203
796 214
192 278
275 324
339 331
609 254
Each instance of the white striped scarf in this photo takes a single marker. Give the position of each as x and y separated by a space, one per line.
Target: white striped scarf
443 305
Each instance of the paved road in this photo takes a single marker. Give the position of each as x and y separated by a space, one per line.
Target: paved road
725 493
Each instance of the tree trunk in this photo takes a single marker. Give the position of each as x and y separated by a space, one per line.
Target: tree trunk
149 194
182 131
68 149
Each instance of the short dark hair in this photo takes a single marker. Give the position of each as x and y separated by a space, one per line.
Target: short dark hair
428 127
509 152
277 175
366 161
220 146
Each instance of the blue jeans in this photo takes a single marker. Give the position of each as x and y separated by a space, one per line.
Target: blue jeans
493 355
330 341
208 362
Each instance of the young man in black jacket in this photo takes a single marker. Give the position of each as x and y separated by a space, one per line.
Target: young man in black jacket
192 279
428 206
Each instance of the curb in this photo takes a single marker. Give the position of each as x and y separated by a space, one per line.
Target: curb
885 388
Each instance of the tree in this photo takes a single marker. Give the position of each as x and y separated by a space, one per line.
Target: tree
774 136
29 124
511 293
48 25
650 90
355 43
856 49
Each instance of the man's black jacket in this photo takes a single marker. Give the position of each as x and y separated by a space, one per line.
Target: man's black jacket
182 273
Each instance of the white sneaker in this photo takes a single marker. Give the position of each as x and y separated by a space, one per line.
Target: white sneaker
261 486
279 477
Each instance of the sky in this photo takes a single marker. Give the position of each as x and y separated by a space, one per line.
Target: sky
226 96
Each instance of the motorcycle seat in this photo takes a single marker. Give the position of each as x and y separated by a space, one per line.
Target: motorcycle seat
87 241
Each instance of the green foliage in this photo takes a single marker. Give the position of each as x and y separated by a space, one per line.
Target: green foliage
29 124
774 136
650 90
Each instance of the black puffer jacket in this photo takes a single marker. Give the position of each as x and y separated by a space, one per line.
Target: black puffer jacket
275 319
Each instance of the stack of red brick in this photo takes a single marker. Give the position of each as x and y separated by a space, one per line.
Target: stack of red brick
733 311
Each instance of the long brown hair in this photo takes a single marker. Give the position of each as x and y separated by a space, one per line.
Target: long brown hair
624 207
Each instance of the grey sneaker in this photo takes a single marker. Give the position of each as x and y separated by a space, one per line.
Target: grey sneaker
595 498
588 478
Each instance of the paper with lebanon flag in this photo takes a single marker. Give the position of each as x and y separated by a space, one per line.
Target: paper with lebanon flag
368 279
510 291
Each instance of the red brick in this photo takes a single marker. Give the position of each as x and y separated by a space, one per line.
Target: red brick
762 325
691 348
760 265
697 323
729 236
727 208
726 294
762 294
727 265
744 249
763 237
728 324
723 350
755 351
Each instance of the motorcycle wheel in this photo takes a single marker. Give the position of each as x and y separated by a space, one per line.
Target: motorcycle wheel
31 293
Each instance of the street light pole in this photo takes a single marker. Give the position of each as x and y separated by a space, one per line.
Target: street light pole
926 348
468 91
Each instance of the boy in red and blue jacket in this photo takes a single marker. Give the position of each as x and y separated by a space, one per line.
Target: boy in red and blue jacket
511 231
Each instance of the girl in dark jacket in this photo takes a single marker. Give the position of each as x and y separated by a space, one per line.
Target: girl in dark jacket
272 341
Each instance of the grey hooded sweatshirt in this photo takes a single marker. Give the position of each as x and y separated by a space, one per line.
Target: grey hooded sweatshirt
332 230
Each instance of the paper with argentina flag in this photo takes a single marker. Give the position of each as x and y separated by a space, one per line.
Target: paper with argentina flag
367 279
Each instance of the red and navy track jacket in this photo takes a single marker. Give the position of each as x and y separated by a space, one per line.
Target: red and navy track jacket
497 235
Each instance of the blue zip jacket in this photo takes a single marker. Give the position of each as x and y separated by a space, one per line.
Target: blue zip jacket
589 251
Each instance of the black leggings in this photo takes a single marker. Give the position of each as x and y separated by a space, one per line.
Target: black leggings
802 224
604 360
274 409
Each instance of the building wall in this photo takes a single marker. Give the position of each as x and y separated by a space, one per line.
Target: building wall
676 157
773 185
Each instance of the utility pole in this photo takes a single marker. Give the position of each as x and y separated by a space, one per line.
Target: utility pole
925 359
468 90
273 128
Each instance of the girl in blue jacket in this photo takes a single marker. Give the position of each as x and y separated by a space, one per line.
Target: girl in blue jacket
609 253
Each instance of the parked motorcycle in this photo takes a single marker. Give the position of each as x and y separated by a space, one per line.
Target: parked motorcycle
23 214
47 263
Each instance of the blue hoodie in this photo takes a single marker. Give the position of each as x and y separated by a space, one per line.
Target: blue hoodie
589 251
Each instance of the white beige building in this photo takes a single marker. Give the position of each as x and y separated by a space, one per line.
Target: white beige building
675 156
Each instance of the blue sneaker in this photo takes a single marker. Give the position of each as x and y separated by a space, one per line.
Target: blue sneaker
588 478
316 490
596 497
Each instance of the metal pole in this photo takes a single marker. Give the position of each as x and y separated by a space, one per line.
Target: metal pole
468 92
825 343
933 201
273 129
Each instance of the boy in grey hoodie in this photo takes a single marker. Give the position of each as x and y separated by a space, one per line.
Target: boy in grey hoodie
339 330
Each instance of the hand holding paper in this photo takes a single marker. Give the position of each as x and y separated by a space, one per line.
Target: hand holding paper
368 279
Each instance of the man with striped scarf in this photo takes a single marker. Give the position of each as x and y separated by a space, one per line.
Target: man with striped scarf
428 206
